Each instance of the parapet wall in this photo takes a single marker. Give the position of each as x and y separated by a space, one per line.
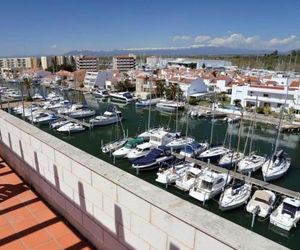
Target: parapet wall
113 209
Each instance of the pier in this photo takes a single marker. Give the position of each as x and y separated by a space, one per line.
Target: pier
253 181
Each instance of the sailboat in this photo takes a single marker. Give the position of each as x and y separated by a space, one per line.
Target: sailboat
252 162
213 153
278 164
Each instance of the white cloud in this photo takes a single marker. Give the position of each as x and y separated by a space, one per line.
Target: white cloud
54 46
284 41
238 40
182 38
201 38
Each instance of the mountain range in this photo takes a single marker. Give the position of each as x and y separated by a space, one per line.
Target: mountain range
188 51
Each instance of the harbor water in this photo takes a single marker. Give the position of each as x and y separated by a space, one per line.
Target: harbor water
136 121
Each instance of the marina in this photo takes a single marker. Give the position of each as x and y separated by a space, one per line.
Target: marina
90 141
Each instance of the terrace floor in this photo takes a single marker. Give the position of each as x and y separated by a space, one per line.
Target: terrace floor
27 222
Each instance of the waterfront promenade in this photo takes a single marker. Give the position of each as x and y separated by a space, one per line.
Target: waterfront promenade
27 222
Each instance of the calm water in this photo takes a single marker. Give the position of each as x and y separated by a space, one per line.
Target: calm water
135 121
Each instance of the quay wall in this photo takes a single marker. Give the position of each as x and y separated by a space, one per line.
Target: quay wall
110 207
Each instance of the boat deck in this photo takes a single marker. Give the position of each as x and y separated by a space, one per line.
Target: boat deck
81 122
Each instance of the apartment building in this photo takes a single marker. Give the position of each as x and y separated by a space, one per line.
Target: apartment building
124 63
98 79
46 61
15 62
87 63
268 95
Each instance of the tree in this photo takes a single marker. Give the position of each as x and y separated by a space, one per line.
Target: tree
27 82
237 103
160 88
203 66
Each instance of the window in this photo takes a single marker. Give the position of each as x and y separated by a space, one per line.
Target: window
265 95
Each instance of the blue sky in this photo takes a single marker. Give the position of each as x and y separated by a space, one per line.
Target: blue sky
58 26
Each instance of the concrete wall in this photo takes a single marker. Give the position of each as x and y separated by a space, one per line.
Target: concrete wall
112 208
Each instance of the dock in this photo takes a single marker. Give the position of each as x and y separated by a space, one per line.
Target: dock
253 181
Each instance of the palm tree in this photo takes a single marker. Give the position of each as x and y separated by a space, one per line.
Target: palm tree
27 82
160 88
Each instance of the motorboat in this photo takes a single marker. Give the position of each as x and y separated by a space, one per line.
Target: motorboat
71 127
45 118
251 163
213 154
171 174
233 120
69 109
188 180
129 146
179 143
287 214
82 113
230 159
209 184
162 138
101 93
235 195
140 151
169 106
113 146
121 97
146 102
261 203
59 123
193 149
107 118
154 159
56 104
276 167
147 134
37 96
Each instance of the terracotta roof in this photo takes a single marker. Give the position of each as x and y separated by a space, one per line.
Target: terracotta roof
295 84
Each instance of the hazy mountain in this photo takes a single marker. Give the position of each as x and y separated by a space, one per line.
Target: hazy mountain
210 51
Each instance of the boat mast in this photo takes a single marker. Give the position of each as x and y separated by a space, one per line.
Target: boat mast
149 113
176 124
253 124
281 117
213 120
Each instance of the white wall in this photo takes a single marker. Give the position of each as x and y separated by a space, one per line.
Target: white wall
113 209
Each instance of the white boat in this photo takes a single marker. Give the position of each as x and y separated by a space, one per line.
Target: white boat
107 118
140 151
276 167
230 159
261 203
121 97
287 214
154 159
113 146
101 93
147 134
193 149
170 106
37 96
214 153
56 104
171 174
69 109
251 163
58 124
146 102
162 138
209 184
71 127
45 118
82 113
233 120
179 143
188 180
129 146
235 195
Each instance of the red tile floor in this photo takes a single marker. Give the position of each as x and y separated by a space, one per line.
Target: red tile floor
27 222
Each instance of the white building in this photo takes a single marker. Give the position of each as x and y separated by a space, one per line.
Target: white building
272 96
46 61
15 62
98 79
88 63
124 63
192 87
